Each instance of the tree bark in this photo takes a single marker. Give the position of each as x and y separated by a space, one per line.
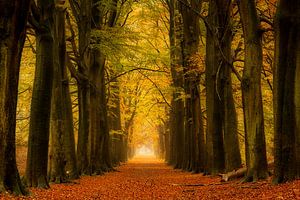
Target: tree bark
115 135
99 128
62 154
222 138
130 103
57 158
94 138
37 159
103 118
176 126
84 30
287 92
69 145
161 139
13 19
194 134
167 140
251 93
214 132
115 121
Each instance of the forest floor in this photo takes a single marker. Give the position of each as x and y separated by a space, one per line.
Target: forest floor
149 178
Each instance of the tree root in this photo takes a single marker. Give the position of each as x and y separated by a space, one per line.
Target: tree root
15 187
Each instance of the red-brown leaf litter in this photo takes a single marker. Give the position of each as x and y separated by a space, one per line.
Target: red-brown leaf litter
149 178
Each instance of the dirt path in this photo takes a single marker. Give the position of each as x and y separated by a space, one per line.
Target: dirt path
149 178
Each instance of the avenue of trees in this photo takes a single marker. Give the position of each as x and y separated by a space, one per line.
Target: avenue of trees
195 80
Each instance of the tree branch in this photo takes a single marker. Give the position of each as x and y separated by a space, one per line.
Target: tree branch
155 85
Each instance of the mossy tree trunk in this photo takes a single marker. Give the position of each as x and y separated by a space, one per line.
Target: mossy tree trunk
194 133
287 92
97 60
57 159
222 136
104 120
84 31
13 19
99 130
230 132
62 154
214 132
115 120
177 110
37 159
130 103
69 145
256 159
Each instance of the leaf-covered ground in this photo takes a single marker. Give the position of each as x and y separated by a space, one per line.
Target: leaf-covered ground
149 178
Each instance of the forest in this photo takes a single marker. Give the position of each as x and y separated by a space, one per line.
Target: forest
149 96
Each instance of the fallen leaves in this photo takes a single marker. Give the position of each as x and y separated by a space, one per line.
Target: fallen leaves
151 179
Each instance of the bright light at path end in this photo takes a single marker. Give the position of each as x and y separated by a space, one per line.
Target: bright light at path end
144 151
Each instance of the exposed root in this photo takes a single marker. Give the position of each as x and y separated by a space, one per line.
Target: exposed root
15 186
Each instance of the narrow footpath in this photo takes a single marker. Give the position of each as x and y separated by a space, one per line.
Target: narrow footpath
148 178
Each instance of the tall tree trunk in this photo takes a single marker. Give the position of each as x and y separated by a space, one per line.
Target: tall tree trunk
96 127
172 160
287 92
37 159
62 154
177 112
251 92
99 116
103 118
69 145
115 121
94 110
84 30
214 134
231 141
167 140
128 123
57 158
161 138
104 126
219 75
194 135
13 19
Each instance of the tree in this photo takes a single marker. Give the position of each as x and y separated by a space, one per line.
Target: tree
161 141
287 90
194 133
256 160
130 102
69 145
62 149
115 120
222 120
13 19
37 159
82 11
177 110
214 134
99 115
